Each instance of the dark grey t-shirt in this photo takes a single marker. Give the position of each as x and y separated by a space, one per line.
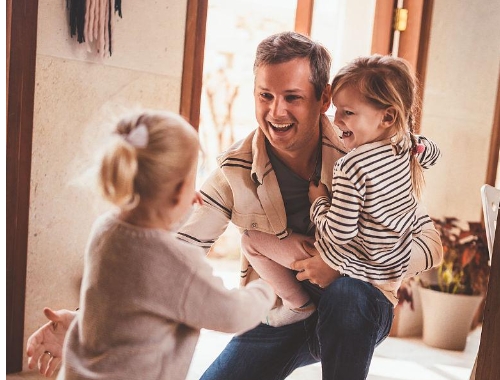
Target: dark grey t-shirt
294 191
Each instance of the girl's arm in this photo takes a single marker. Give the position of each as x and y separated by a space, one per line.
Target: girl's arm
209 304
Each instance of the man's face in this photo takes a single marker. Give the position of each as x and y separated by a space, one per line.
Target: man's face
286 107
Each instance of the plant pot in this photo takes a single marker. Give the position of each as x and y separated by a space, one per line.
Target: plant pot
447 318
407 321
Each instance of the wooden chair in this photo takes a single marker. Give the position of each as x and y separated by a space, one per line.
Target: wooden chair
490 197
487 365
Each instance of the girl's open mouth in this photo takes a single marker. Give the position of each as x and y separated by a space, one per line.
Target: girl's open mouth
346 134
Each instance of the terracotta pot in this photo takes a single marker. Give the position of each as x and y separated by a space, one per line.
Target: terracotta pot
447 318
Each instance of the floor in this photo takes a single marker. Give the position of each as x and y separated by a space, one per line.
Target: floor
394 359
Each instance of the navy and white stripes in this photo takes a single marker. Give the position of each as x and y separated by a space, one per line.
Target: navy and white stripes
366 230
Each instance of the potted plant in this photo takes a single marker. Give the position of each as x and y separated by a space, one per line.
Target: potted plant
451 300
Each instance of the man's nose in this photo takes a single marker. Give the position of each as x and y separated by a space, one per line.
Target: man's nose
278 108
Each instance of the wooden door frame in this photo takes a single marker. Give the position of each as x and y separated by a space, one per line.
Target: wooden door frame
414 41
21 57
194 53
491 171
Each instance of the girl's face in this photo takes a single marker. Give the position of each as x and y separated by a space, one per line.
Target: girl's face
359 121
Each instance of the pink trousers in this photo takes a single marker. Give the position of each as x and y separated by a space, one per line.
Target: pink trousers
271 258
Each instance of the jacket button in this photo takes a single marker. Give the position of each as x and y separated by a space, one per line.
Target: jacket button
254 225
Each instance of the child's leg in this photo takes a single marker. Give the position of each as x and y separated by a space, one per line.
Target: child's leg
271 258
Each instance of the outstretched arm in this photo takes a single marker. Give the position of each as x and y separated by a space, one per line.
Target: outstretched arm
44 346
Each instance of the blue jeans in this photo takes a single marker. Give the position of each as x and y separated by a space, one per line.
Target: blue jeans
353 317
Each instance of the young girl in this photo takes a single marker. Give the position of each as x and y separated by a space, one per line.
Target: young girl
145 294
365 229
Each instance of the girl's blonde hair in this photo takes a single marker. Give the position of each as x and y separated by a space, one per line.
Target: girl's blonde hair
132 170
387 81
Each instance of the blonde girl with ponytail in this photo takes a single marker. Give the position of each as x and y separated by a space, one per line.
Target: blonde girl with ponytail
145 294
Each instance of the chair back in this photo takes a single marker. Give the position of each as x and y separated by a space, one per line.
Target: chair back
490 197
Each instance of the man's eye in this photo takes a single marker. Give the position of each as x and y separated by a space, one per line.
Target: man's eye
348 113
265 95
291 98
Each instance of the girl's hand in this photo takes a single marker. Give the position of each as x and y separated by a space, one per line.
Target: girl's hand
316 191
44 346
197 198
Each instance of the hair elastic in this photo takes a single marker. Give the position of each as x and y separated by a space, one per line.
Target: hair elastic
138 137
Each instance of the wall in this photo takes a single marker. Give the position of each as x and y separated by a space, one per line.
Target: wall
459 101
76 92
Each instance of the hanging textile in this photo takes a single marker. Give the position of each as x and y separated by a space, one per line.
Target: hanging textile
90 21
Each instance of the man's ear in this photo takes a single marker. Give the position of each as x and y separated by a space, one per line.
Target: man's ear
389 117
326 99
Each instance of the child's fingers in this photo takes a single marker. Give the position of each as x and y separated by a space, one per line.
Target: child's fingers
53 364
197 198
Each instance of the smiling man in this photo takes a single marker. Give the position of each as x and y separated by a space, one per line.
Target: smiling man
261 185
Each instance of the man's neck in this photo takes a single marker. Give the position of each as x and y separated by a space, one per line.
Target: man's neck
303 162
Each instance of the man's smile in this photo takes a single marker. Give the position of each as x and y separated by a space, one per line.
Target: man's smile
281 127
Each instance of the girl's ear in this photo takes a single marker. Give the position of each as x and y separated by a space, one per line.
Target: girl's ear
176 195
389 117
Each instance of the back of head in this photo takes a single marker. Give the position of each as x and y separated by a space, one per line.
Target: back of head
152 153
384 81
286 46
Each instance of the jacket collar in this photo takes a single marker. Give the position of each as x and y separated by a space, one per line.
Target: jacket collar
261 164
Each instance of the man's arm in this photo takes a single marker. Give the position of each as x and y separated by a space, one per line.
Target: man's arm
209 220
315 269
427 250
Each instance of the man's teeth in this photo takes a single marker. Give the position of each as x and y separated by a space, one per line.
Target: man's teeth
281 126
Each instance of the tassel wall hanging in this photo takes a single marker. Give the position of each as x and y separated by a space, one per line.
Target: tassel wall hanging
90 21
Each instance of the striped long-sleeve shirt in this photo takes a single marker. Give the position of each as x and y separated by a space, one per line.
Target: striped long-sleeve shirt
365 231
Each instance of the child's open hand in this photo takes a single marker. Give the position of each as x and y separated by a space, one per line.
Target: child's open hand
316 191
197 198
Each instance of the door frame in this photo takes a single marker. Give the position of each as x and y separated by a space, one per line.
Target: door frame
21 55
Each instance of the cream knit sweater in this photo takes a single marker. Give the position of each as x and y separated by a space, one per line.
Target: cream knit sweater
145 295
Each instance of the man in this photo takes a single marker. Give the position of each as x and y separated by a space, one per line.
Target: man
261 185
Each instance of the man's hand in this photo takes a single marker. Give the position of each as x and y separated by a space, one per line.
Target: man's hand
314 268
316 191
44 346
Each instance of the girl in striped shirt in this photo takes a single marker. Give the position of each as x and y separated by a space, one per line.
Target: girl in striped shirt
365 228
